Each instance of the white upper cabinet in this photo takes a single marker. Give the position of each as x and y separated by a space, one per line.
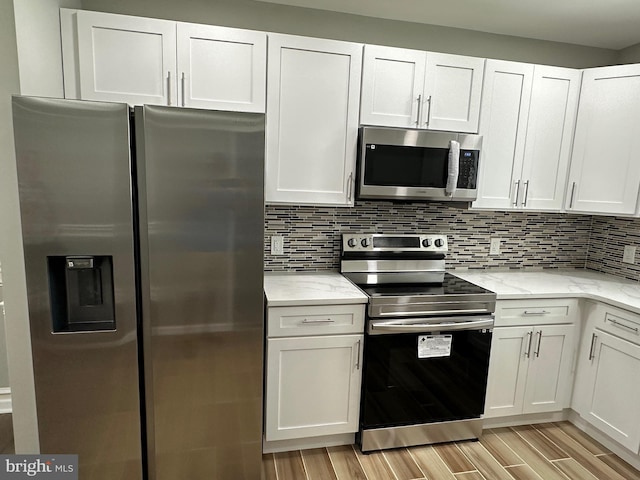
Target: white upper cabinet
503 122
148 61
412 88
527 123
221 68
312 120
119 58
605 171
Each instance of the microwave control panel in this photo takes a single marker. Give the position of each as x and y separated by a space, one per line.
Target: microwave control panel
394 243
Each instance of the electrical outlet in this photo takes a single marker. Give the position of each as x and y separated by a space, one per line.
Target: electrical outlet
629 255
494 248
277 245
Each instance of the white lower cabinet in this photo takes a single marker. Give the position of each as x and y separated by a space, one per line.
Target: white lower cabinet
530 370
608 378
313 371
313 386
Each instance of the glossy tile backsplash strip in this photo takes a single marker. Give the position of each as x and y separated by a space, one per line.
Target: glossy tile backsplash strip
609 235
312 234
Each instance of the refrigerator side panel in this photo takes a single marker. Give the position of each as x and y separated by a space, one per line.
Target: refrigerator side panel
204 211
75 200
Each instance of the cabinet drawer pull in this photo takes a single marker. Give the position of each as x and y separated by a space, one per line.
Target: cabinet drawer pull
573 190
537 352
183 89
350 186
419 100
535 312
319 320
526 193
358 356
527 353
594 337
615 323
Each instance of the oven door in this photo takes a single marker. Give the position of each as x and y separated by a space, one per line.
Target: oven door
416 372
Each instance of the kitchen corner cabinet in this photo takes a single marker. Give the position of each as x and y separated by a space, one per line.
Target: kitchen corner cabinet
313 378
532 354
605 172
139 60
313 91
416 89
607 385
527 122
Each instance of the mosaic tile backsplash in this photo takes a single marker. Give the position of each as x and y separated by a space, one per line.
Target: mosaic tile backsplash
609 235
529 240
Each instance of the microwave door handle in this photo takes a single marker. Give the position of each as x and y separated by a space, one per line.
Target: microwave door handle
453 167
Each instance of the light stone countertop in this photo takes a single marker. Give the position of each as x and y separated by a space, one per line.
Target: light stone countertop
319 288
525 284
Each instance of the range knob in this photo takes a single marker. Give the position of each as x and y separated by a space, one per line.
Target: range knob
439 242
364 242
352 242
426 243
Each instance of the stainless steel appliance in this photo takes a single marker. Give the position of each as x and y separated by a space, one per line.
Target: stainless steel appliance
406 164
427 342
143 241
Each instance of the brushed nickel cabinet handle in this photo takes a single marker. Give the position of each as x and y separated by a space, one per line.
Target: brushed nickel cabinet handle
515 202
535 312
537 352
183 90
426 122
573 190
350 186
594 337
419 100
312 321
358 356
615 323
528 352
169 88
526 193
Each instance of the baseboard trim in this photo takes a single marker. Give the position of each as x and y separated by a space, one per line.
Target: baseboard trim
276 446
526 419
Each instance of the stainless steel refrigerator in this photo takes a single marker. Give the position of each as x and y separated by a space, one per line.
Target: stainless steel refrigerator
143 243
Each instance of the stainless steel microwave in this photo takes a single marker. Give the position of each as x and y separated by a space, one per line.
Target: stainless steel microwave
407 164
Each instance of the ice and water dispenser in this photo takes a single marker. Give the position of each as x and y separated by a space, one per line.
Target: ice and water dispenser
81 293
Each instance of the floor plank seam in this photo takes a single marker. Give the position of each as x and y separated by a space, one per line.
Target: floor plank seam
353 448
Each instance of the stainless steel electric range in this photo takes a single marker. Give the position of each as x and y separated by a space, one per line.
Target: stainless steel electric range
427 342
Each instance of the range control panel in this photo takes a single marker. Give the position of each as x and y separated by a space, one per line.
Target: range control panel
394 243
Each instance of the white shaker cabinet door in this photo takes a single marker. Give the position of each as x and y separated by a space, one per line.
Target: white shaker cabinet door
221 68
452 91
552 116
605 171
507 371
392 83
312 386
312 120
506 94
125 59
614 377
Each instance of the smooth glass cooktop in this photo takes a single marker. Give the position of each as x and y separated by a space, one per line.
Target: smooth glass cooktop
451 285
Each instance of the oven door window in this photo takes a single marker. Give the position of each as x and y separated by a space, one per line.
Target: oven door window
400 388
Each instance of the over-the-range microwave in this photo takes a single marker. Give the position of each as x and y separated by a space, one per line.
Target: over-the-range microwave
406 164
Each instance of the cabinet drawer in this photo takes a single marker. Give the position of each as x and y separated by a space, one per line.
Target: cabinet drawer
535 312
315 320
618 322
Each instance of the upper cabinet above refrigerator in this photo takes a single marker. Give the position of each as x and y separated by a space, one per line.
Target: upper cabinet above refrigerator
416 89
120 58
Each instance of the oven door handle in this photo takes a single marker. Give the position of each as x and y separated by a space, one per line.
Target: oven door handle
400 327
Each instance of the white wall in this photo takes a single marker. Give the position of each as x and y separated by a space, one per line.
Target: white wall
630 54
14 287
319 23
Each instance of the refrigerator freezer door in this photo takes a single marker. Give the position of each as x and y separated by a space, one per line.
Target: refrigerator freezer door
75 199
200 180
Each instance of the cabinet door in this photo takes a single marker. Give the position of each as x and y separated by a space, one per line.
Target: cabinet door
392 82
614 377
452 90
503 122
507 371
605 171
222 68
549 378
126 59
552 116
312 386
312 128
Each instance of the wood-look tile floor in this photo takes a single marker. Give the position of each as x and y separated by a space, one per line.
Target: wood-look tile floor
550 451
